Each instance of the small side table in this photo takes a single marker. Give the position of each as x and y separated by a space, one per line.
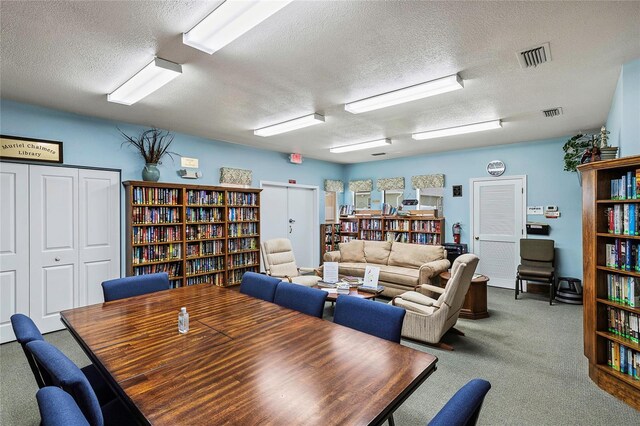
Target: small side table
475 302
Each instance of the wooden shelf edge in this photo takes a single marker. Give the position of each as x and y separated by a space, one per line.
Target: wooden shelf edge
615 304
619 339
618 271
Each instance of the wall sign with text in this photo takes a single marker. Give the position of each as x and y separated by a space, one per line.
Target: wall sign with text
19 148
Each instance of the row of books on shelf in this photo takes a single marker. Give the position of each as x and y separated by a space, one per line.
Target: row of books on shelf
143 195
624 290
203 197
243 259
426 226
433 239
347 238
174 269
144 215
396 225
349 227
624 359
388 209
623 323
371 235
242 213
243 229
235 276
347 210
156 253
243 198
205 248
371 224
627 187
201 232
156 234
623 255
240 244
400 237
215 279
204 214
623 219
207 264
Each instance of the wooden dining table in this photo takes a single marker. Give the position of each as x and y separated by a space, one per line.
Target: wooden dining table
244 361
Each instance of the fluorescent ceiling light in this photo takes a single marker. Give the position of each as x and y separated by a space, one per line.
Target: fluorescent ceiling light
287 126
229 21
359 146
149 79
478 127
419 91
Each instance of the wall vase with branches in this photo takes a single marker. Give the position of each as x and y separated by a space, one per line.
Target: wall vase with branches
152 144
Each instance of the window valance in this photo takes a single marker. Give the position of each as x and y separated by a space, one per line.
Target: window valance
331 185
232 176
388 184
361 185
427 181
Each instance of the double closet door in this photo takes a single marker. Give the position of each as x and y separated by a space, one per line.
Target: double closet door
59 239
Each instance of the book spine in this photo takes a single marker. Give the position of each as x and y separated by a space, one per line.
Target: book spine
632 220
629 190
625 219
617 219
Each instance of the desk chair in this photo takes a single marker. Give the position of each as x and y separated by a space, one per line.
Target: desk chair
57 408
26 331
66 375
464 406
279 261
121 288
537 259
378 319
259 286
307 300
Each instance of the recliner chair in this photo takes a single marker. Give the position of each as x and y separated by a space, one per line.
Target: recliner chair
279 261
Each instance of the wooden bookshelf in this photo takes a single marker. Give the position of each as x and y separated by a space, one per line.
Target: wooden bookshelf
601 338
195 233
329 238
406 229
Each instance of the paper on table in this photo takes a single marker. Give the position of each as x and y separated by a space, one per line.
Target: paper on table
330 290
330 272
371 274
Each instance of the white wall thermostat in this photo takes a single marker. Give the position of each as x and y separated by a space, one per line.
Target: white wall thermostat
496 168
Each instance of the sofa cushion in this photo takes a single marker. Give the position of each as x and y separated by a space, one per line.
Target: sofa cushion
377 251
353 251
414 255
399 275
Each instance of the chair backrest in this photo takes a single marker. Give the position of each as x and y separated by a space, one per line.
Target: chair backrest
456 289
259 286
536 252
378 319
278 258
303 299
26 331
66 375
57 408
121 288
464 406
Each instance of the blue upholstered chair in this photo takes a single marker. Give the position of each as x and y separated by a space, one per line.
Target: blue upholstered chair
57 408
377 319
259 286
303 299
26 331
66 375
121 288
464 407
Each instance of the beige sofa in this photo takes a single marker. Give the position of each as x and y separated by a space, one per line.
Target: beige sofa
402 266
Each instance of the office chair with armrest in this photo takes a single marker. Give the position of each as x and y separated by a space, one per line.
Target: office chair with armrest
303 299
121 288
259 286
464 406
58 408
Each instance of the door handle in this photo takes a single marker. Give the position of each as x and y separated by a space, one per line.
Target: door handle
292 221
290 229
57 259
477 238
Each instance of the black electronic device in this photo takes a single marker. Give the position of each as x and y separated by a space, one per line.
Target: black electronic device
454 250
410 202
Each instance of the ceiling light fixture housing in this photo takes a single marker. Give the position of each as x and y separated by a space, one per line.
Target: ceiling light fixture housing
228 22
408 94
460 130
359 146
287 126
149 79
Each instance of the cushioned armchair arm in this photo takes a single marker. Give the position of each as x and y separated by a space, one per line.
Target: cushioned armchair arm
332 256
307 271
428 289
433 269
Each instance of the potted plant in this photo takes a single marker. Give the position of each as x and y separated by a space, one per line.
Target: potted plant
577 150
152 144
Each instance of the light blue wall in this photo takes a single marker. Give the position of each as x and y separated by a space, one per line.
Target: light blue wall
96 142
624 116
547 183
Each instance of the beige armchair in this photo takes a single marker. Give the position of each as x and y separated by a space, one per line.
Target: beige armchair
278 260
428 319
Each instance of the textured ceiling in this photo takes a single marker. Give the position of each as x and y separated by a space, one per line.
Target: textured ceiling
313 56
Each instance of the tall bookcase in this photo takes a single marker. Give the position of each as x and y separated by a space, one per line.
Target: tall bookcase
330 237
406 229
195 233
609 335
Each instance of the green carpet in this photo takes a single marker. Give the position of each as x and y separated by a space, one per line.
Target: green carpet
530 352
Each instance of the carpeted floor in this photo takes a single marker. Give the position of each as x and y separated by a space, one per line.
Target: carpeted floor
530 352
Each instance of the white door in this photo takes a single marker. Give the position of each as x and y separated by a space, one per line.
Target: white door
53 244
498 219
98 232
291 211
14 245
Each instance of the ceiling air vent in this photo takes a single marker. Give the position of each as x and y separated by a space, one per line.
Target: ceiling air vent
553 112
534 56
377 154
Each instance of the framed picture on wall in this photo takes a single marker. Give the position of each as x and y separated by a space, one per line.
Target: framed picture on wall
28 149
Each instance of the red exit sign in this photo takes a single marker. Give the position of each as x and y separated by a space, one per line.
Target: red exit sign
295 158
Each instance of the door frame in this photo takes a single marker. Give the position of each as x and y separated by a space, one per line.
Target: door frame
472 182
315 236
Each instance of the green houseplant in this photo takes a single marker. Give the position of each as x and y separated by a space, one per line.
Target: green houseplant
575 149
152 144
